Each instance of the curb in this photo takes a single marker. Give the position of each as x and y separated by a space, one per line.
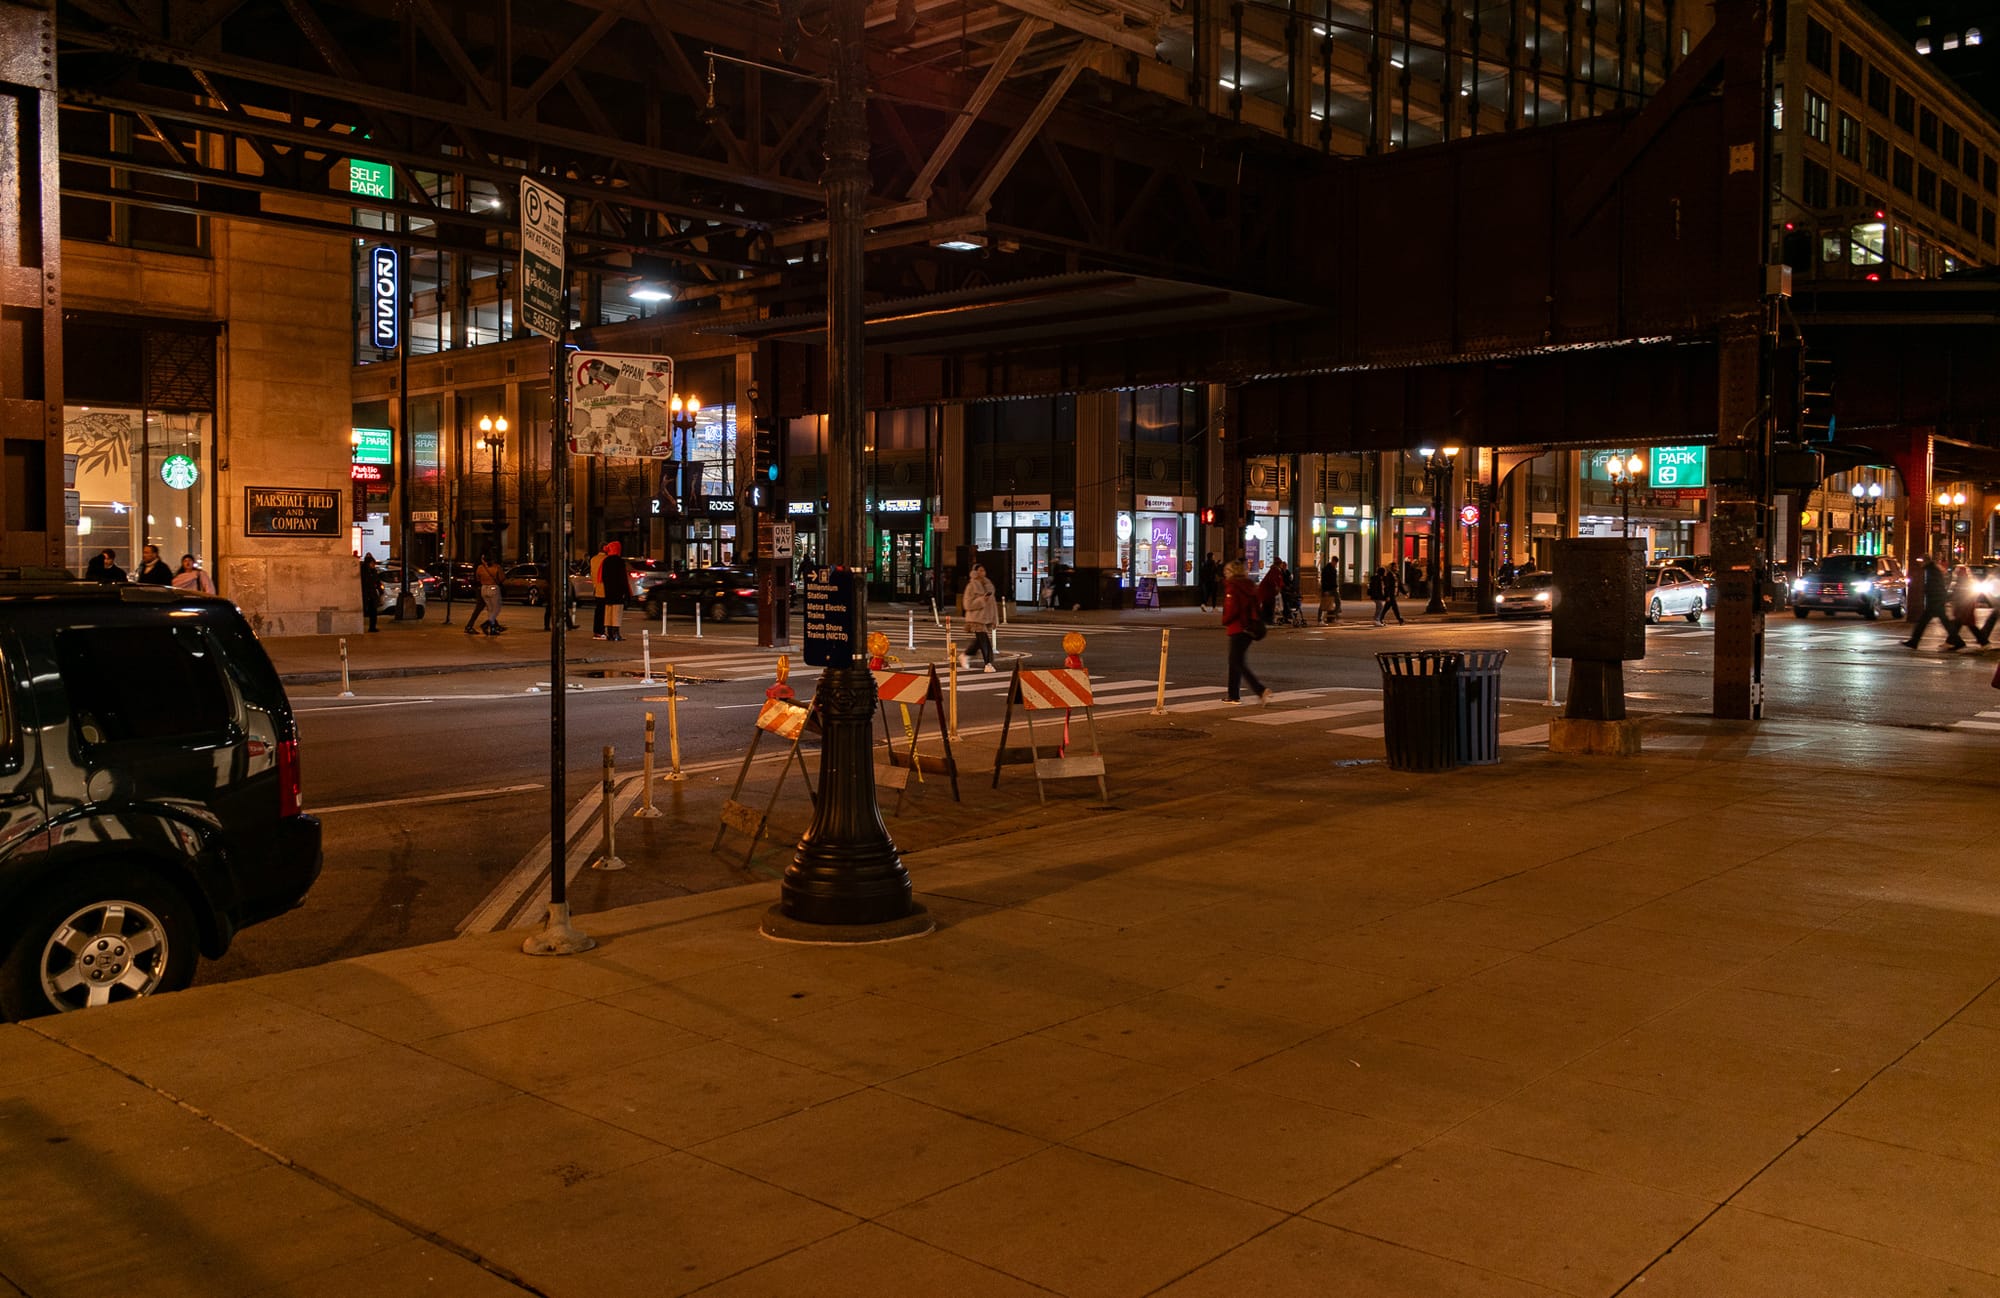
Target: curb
432 669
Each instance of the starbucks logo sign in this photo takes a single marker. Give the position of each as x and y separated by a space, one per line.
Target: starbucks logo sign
179 472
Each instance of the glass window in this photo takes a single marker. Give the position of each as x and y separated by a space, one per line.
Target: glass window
1829 247
143 682
1850 68
1986 224
1850 138
1814 188
1864 243
1948 200
1969 164
1904 168
1968 213
1878 156
1926 186
1906 110
1819 45
1989 175
1777 106
1948 143
1927 129
1879 87
1816 115
1846 193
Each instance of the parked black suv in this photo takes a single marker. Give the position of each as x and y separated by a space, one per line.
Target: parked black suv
149 791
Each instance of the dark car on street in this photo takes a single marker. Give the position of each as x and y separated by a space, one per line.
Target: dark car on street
1866 584
149 791
721 593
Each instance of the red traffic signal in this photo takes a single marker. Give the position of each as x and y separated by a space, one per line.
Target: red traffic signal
1208 517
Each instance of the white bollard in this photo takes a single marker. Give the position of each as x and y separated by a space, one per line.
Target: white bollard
647 811
646 653
609 860
911 631
1160 699
1552 680
697 619
934 611
346 688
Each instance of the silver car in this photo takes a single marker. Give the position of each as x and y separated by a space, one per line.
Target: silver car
1673 591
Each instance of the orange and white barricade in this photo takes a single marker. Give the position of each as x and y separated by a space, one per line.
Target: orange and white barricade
1042 690
787 721
923 691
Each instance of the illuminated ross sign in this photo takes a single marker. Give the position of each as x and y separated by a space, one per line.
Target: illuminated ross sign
179 472
385 277
371 179
374 446
1680 466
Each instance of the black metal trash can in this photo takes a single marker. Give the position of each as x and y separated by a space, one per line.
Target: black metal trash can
1477 699
1419 709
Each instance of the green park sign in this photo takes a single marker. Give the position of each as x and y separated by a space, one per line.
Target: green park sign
371 179
374 446
1679 466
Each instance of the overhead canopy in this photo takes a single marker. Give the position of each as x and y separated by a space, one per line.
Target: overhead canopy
1043 312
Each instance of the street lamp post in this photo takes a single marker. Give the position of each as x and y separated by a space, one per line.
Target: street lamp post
1437 468
493 436
1950 503
1867 500
1625 475
682 416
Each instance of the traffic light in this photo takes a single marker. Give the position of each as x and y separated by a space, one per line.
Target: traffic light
1788 392
1208 518
764 467
1816 400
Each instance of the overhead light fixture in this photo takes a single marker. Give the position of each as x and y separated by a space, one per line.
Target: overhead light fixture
961 243
650 293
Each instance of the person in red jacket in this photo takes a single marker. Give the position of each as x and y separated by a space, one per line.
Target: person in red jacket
1240 617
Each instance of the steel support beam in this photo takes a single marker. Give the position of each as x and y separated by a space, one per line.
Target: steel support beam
31 352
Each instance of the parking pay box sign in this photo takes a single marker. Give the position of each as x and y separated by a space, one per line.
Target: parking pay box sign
543 222
833 618
1680 466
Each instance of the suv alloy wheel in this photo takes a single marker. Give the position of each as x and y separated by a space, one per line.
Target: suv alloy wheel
111 935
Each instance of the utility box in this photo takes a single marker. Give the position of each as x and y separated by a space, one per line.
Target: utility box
1600 612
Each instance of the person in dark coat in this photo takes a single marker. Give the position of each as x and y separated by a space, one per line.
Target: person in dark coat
1937 604
371 590
1269 590
1329 591
104 567
1211 581
153 570
617 589
1241 603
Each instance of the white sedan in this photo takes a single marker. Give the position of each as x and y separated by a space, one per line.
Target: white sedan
1671 591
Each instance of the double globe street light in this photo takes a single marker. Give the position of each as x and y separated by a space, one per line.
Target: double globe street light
493 435
1625 475
1867 500
1437 470
1950 505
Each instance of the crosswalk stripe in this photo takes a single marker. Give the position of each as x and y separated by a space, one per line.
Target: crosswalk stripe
1144 696
1526 735
1296 716
1976 725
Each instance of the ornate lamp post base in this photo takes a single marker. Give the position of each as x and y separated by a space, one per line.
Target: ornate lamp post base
847 883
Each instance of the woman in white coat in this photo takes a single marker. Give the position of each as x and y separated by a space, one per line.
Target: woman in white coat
982 608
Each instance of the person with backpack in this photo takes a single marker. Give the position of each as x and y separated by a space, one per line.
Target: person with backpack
1329 592
1243 622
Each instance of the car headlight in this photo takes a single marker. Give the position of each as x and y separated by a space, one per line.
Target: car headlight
1863 587
1542 597
1989 588
1499 599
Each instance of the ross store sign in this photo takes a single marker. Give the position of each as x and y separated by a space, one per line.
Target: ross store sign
1680 466
371 179
385 278
374 446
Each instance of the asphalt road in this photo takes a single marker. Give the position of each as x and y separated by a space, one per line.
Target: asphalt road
433 789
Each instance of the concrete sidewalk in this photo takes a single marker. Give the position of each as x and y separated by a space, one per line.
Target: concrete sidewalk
1690 1024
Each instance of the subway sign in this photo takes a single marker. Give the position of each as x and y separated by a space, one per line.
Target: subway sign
1680 466
385 278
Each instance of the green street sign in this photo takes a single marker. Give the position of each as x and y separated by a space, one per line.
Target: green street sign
374 446
371 179
1680 466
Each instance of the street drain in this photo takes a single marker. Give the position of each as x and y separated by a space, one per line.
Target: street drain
1167 732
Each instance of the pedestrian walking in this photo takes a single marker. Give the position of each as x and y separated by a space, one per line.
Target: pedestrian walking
1242 606
1270 590
191 577
371 590
153 570
1329 592
1383 588
488 576
1937 605
1211 580
981 605
615 585
1963 602
597 589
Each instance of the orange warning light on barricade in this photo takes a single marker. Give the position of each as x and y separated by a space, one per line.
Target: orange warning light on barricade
1073 645
783 688
878 651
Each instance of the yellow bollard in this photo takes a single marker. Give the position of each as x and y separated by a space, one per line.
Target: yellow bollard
609 860
647 811
673 727
1160 699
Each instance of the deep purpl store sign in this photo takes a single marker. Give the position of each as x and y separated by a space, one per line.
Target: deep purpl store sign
384 274
1680 466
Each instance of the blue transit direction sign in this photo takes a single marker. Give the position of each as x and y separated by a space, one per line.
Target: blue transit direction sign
833 618
543 221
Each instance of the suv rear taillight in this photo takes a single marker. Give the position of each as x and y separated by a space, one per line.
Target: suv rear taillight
288 777
747 592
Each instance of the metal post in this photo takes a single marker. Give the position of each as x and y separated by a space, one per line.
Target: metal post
1160 699
911 630
673 727
847 881
697 620
951 674
609 859
346 689
647 811
1440 470
646 656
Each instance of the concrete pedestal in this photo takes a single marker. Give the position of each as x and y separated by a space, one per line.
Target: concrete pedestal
1601 738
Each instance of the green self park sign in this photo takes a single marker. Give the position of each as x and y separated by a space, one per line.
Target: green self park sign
1679 466
371 179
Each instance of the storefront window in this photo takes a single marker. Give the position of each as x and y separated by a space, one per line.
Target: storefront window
1029 542
141 478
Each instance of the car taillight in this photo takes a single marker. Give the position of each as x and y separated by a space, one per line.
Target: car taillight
288 777
747 592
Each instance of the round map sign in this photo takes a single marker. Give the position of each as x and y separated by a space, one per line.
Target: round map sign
178 472
1468 514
